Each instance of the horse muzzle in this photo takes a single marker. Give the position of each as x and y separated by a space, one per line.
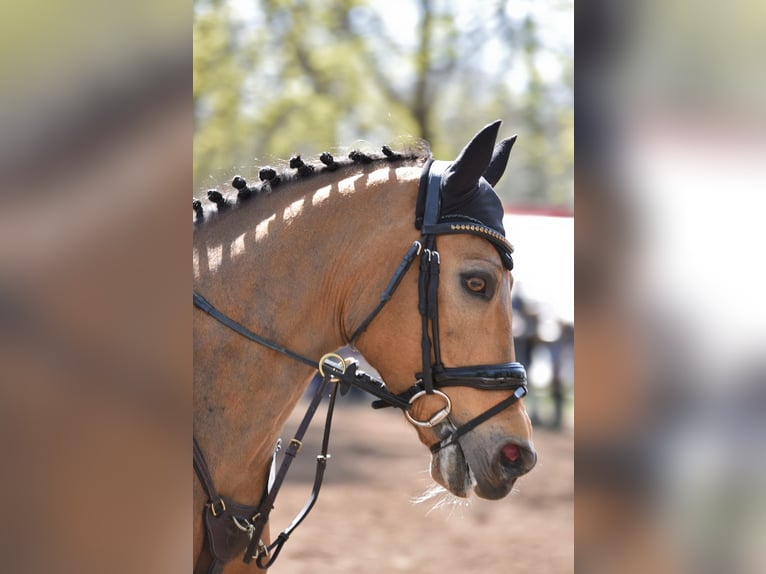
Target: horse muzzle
486 460
483 463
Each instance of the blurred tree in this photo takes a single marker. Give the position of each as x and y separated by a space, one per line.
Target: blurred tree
277 77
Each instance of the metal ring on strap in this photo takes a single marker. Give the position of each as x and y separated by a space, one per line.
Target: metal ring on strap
341 366
440 415
212 507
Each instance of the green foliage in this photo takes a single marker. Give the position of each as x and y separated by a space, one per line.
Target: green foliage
277 77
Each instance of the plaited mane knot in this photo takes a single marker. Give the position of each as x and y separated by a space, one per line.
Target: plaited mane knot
268 174
360 157
329 161
304 170
270 179
391 155
217 198
199 213
243 190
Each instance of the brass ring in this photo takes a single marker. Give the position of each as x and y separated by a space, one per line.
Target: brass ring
341 367
212 507
440 415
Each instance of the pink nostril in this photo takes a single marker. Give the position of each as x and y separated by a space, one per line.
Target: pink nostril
511 452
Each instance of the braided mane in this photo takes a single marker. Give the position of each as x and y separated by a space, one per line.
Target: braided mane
271 179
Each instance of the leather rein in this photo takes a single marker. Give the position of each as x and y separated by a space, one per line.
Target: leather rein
234 528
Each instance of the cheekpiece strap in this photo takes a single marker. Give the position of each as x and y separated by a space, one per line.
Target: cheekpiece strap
433 193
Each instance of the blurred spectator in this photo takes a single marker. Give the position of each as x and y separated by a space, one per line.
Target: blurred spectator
562 358
526 340
545 346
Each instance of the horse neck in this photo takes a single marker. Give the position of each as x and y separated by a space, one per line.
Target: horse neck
300 267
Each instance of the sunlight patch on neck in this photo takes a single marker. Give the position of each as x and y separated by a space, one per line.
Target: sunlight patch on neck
237 246
262 229
293 210
379 176
214 257
320 195
348 186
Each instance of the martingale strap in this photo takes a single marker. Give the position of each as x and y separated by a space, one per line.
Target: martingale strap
232 528
266 555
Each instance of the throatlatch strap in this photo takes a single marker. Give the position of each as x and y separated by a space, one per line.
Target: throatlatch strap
385 297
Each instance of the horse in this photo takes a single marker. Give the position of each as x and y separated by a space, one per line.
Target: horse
298 263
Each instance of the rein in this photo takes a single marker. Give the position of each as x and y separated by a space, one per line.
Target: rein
229 538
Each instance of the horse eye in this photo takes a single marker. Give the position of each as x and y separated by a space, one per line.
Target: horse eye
476 285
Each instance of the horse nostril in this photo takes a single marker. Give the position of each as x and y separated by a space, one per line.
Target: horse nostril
511 452
517 459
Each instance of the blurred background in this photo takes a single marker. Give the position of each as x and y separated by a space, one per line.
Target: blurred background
670 150
273 78
96 136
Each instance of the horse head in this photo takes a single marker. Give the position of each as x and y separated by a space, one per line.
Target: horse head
448 328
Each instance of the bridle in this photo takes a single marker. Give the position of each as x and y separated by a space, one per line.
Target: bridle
434 374
224 540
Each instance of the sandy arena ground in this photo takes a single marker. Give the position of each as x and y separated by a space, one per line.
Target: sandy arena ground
365 520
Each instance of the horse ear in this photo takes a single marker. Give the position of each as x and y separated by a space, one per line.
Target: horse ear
496 167
463 174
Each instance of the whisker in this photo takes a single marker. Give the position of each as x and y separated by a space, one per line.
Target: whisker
442 499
